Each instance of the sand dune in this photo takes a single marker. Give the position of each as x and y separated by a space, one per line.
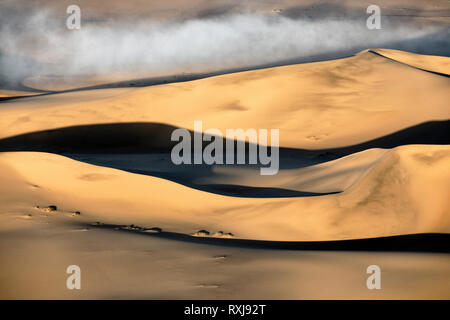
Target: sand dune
331 105
406 191
86 176
315 106
106 145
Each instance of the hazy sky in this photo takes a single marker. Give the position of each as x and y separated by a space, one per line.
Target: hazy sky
200 44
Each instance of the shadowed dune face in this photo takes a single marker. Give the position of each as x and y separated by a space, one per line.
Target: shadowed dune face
146 147
156 138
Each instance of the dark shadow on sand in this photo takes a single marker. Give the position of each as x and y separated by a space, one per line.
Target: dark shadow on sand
151 138
422 242
144 148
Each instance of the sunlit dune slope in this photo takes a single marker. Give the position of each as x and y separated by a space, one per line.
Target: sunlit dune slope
331 176
405 191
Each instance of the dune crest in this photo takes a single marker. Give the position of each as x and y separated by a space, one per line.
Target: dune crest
420 61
